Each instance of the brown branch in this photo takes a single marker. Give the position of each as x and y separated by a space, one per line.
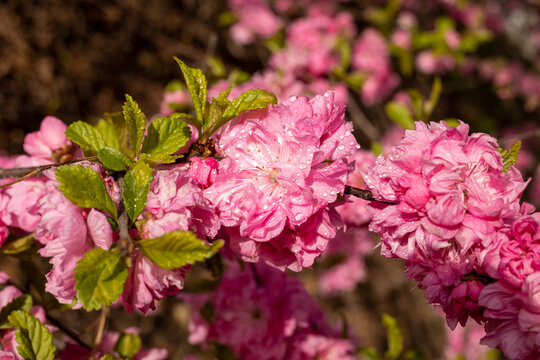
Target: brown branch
28 172
363 194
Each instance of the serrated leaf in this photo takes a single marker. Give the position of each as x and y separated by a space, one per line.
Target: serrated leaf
249 100
394 338
399 114
84 187
135 189
215 113
158 159
18 246
136 124
510 157
128 345
108 133
23 302
178 248
116 120
34 340
197 85
166 135
114 159
87 136
99 278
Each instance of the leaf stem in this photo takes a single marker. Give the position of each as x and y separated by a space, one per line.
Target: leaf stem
100 331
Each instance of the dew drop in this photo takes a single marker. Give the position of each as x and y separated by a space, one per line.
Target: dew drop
293 98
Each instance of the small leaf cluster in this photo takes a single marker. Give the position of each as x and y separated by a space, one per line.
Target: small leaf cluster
210 116
34 340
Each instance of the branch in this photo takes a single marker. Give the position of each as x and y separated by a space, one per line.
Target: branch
28 172
100 331
363 194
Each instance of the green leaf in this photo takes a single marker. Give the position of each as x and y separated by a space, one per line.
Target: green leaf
417 101
414 354
433 97
166 135
158 159
23 302
108 357
114 159
117 122
135 189
177 248
377 148
399 114
136 124
87 136
216 66
370 353
395 338
196 83
18 246
99 278
510 157
251 99
84 187
128 345
35 341
215 114
108 133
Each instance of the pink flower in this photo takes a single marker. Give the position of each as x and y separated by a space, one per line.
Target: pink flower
23 203
370 55
261 313
255 18
282 167
174 202
67 232
49 143
429 63
174 101
203 172
465 342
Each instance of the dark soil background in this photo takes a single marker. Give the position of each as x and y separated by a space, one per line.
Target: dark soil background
76 60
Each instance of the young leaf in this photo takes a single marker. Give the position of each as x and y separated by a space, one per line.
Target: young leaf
395 338
128 345
84 187
87 136
177 248
23 302
370 352
196 83
510 157
117 122
251 99
18 246
114 159
108 133
158 159
399 114
136 124
99 278
35 341
215 113
135 189
166 135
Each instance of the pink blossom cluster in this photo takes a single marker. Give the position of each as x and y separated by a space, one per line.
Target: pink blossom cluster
464 342
261 313
283 168
454 216
371 56
19 202
354 242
